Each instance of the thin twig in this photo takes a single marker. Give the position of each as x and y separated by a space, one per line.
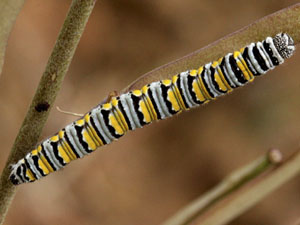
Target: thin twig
69 113
9 10
231 183
47 90
248 196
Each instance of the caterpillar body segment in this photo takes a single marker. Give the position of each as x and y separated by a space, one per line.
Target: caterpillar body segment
158 100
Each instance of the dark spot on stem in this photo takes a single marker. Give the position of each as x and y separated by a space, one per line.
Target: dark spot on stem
43 106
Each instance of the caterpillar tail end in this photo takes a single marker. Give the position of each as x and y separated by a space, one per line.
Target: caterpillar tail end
13 177
284 44
19 173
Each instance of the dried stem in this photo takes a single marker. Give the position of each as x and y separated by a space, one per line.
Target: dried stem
45 95
231 183
239 202
69 113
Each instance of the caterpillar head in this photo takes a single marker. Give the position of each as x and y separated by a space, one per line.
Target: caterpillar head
284 45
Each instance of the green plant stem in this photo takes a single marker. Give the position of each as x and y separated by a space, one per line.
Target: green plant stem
9 10
251 194
231 183
285 20
46 92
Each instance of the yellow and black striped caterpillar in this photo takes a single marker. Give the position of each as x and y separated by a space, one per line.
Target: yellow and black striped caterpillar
155 101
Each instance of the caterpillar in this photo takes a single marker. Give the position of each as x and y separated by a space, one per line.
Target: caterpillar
155 101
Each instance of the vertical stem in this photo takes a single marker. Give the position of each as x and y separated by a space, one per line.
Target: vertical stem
45 95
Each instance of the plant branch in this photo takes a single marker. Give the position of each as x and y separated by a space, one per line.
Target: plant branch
69 113
240 201
231 183
9 10
285 20
45 95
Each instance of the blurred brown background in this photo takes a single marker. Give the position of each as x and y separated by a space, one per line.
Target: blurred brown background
149 174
